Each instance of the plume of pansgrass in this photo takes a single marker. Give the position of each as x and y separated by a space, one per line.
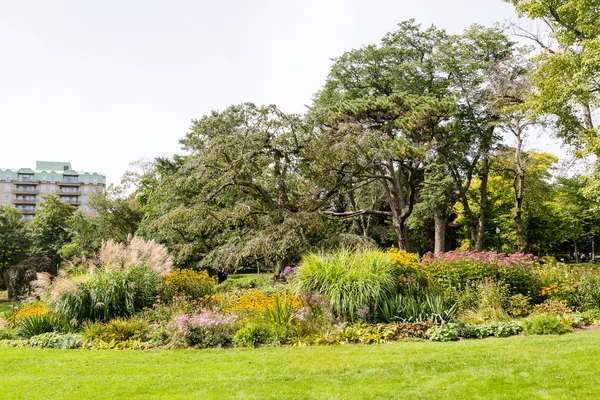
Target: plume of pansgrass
350 280
135 253
122 281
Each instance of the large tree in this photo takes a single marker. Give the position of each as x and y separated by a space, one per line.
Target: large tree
567 78
14 241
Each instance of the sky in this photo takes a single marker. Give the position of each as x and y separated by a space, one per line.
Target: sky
105 83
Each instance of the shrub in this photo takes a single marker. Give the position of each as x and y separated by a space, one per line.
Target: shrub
490 296
252 334
497 329
7 333
210 328
189 283
118 329
519 305
456 269
545 324
55 340
349 280
125 282
553 307
593 316
256 302
442 333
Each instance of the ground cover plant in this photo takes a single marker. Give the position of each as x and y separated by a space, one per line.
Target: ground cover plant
524 367
130 298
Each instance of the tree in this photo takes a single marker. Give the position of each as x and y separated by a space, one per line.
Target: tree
14 241
240 197
389 102
84 237
50 228
119 215
567 75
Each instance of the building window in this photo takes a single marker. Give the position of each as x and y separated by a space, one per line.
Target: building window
44 178
85 199
86 189
7 178
7 197
85 208
86 179
43 188
51 189
95 181
52 178
7 188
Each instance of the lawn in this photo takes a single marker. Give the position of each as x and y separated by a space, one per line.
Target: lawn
517 368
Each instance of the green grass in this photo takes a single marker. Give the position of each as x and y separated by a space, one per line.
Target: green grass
541 367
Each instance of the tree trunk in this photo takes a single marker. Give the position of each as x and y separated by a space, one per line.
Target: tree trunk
519 190
440 222
593 250
576 252
484 204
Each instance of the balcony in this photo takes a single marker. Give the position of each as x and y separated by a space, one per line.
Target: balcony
26 189
74 202
27 209
67 190
25 200
70 182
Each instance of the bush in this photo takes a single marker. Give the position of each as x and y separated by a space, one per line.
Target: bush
592 316
210 328
457 269
497 329
55 340
553 307
442 333
118 330
546 324
189 283
351 281
126 281
252 334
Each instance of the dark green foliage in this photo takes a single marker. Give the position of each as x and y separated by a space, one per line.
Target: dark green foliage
411 308
32 325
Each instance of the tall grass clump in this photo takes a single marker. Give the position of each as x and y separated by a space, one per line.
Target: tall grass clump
124 281
353 282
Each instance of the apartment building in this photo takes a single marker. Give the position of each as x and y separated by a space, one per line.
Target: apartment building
24 188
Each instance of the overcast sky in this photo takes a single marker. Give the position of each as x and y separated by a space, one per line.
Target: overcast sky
102 83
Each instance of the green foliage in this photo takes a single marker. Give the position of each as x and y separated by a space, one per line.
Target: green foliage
56 340
442 333
281 313
253 334
379 333
350 280
410 308
118 330
497 329
14 241
126 281
50 229
33 325
593 316
546 324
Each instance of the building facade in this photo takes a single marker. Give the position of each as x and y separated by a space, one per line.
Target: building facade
25 188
